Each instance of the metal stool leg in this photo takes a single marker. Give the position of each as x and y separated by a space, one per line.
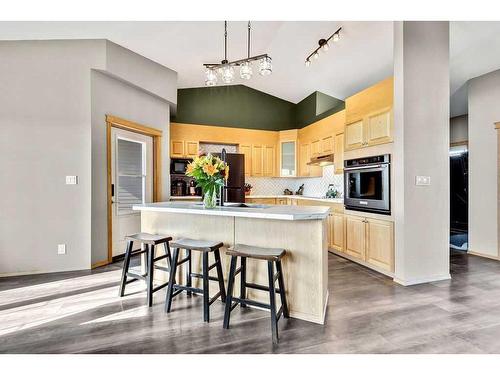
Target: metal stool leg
171 281
230 287
281 284
188 273
206 307
126 264
243 280
149 279
220 276
272 302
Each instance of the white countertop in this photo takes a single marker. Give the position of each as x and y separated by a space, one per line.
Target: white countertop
271 211
302 197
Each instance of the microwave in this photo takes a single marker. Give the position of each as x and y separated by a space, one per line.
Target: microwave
178 166
367 185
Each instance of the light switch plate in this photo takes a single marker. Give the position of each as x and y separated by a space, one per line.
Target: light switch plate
61 249
71 180
422 180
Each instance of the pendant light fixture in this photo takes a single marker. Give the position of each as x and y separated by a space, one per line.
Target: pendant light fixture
324 46
226 68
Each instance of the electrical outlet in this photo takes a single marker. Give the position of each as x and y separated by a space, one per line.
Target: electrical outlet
422 180
71 180
61 249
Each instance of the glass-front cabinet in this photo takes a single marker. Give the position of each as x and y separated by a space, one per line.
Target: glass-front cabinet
288 159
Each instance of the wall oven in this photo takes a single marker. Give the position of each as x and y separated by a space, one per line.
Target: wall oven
367 184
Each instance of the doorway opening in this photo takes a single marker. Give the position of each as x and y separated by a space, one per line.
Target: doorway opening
459 197
133 166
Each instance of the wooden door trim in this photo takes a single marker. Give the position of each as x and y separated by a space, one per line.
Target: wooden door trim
119 123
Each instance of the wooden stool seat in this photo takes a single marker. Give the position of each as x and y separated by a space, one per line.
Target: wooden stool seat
148 245
199 245
205 247
256 252
147 238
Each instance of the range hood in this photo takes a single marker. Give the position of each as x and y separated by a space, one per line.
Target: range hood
321 160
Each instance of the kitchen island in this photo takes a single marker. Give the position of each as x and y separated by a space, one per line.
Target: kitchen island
301 230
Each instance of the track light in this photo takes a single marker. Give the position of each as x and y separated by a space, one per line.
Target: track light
324 46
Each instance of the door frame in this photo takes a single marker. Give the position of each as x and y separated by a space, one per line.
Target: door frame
117 122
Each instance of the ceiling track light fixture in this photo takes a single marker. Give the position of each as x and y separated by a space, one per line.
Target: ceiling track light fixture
323 46
226 68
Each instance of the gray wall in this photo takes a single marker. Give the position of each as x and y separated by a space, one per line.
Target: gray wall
46 134
484 111
459 129
114 97
421 147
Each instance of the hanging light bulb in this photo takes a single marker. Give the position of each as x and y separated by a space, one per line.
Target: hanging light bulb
265 66
227 73
210 77
336 37
325 47
246 70
316 55
308 62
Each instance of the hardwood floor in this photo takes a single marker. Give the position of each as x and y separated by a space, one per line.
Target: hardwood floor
80 312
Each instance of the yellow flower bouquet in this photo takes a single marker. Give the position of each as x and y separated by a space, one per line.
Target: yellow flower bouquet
209 173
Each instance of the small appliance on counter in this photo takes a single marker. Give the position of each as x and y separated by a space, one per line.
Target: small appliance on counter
180 184
300 191
367 184
287 192
332 192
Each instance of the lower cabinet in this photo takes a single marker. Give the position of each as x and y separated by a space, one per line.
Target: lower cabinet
370 240
337 229
261 200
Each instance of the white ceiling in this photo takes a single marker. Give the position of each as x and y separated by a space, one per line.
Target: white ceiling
363 56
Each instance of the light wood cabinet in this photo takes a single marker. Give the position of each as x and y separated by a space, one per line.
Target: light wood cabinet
315 147
369 100
354 135
379 243
183 149
370 240
337 229
257 161
282 201
327 144
288 158
379 127
261 200
269 157
304 158
355 236
339 153
246 150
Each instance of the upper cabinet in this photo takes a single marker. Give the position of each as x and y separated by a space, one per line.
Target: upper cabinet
183 148
339 153
369 119
287 153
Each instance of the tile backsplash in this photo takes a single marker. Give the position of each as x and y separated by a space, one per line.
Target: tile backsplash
313 186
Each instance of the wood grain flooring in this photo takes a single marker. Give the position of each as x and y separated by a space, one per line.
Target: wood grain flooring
79 312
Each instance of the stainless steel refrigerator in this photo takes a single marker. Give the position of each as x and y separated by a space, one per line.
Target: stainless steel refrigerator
235 185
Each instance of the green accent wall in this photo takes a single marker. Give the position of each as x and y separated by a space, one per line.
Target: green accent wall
240 106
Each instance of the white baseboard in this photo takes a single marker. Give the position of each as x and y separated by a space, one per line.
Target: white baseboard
422 280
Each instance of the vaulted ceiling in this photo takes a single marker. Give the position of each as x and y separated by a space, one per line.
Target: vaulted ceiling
363 56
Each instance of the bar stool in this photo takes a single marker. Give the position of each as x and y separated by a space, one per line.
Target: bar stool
150 241
272 256
205 247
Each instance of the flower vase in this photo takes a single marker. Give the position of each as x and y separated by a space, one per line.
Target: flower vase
210 198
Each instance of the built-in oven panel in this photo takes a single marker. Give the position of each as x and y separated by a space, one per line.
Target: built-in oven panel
367 187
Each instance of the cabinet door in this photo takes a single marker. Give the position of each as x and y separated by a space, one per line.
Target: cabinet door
379 244
261 200
327 144
246 150
330 230
337 231
304 158
269 160
257 161
282 201
355 236
176 149
339 153
315 147
288 159
379 128
354 135
192 149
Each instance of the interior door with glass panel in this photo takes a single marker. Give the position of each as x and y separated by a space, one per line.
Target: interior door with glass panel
132 182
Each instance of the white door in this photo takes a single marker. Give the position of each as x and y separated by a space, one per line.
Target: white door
132 179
